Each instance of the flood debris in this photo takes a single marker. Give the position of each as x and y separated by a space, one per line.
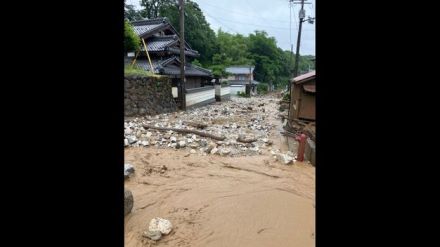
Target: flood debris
238 125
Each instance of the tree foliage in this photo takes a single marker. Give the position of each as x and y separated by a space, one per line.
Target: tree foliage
220 50
130 13
131 40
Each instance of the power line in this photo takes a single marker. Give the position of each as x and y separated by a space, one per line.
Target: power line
221 23
239 12
252 24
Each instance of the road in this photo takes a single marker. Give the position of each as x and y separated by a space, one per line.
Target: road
223 200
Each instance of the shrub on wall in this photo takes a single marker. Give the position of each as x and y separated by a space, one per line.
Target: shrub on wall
131 40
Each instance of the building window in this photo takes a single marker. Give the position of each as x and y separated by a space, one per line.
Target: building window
241 77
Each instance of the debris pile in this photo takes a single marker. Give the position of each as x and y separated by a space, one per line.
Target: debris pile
231 128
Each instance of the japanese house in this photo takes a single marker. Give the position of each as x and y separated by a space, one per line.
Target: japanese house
163 47
239 77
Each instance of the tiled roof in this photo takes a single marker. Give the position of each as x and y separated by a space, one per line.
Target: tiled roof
240 69
160 43
188 52
190 70
167 68
148 27
141 30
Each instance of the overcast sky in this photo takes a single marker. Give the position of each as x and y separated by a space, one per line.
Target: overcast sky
245 16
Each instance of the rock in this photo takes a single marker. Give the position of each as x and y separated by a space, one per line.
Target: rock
153 235
284 158
128 201
132 139
203 143
193 151
163 169
265 140
149 134
214 151
220 142
225 151
138 134
145 143
189 140
128 131
126 142
173 139
128 170
194 145
186 155
182 143
173 145
159 224
194 137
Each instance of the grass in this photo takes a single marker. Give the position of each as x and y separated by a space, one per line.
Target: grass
131 70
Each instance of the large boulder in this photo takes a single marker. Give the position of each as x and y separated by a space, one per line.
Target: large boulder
128 170
160 224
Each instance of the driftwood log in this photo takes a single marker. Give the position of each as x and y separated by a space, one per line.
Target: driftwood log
241 139
196 125
186 131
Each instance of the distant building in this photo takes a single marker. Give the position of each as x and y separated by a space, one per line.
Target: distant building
303 97
239 77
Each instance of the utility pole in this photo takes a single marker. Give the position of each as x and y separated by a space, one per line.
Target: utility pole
250 80
302 15
182 53
290 37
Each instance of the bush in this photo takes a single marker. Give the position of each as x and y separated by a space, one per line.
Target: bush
131 40
242 94
262 88
134 70
286 97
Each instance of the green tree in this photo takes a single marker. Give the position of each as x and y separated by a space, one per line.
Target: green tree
130 13
152 8
131 40
196 63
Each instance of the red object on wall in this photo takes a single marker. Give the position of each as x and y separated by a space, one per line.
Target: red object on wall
301 147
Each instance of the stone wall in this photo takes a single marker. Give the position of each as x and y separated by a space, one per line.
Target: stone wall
147 96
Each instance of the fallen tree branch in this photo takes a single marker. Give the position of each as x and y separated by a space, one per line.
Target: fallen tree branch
186 131
240 139
196 125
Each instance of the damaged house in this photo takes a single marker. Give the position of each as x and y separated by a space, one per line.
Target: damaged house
163 48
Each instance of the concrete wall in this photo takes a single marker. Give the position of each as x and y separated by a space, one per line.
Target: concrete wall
222 92
239 88
147 96
200 96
